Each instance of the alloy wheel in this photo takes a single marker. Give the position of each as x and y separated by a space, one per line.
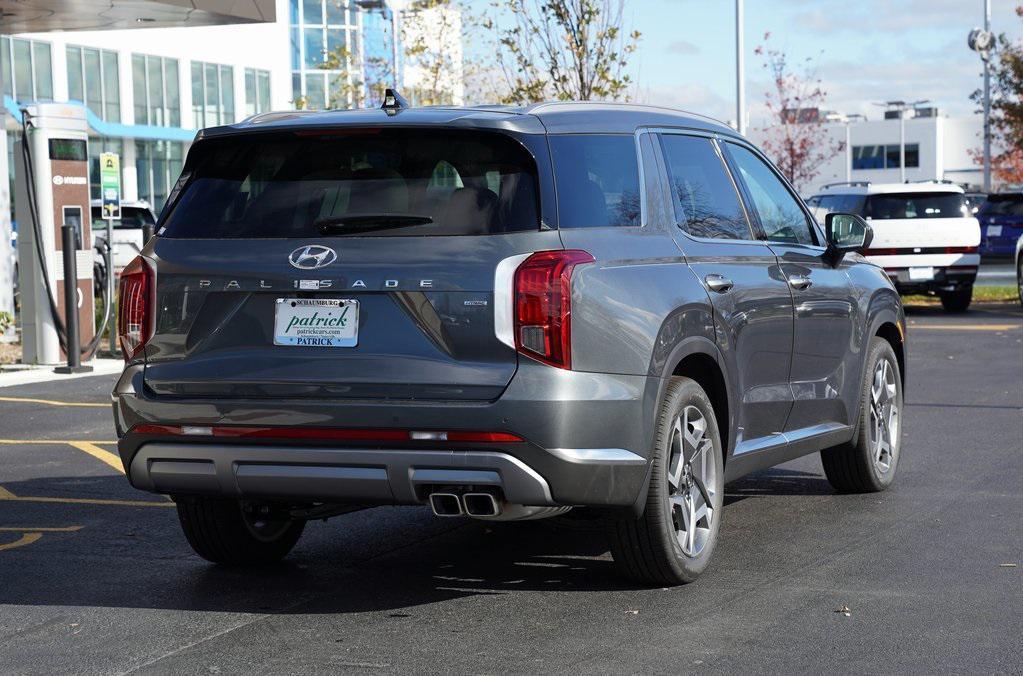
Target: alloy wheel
884 416
692 481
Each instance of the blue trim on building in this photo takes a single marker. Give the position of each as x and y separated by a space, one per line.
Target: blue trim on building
116 129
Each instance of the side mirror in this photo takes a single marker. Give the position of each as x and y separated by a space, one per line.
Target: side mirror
845 233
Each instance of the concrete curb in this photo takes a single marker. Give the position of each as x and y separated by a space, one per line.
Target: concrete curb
44 374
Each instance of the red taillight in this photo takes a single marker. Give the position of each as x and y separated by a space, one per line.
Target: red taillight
135 307
325 433
961 249
543 305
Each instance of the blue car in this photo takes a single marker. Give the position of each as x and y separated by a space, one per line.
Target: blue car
1001 224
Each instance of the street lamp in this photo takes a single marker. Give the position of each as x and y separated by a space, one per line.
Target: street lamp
740 75
848 143
981 40
902 107
385 8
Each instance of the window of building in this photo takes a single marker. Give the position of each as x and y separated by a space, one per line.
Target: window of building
27 67
156 90
598 180
157 167
884 157
257 91
324 53
706 203
93 79
212 94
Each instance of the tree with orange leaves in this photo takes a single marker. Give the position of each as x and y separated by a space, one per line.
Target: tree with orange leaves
796 139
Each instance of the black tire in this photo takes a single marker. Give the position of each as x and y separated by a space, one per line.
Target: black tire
860 466
1019 279
648 549
220 531
958 300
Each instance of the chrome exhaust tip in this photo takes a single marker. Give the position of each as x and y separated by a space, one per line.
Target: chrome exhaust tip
445 504
481 504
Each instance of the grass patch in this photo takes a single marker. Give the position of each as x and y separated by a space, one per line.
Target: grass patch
981 294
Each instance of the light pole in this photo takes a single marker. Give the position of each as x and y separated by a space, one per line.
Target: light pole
740 75
981 40
902 107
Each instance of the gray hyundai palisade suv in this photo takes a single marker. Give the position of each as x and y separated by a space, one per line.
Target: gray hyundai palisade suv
503 313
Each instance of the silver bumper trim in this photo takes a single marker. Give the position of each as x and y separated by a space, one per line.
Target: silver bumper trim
598 456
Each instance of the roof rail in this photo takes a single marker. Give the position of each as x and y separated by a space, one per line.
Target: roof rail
943 181
863 184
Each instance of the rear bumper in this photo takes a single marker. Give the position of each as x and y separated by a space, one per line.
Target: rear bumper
945 279
587 443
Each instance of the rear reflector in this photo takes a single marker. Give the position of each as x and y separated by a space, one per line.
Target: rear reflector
324 433
909 251
136 296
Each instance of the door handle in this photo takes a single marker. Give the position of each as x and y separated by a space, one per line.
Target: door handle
718 283
800 282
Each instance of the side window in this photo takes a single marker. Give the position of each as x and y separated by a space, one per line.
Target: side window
704 195
780 214
597 179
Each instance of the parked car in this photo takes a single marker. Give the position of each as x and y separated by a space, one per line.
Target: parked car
1019 268
1001 223
503 313
127 229
924 235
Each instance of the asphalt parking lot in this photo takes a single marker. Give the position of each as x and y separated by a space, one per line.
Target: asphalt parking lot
97 578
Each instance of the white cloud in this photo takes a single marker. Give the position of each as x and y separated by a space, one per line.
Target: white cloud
683 47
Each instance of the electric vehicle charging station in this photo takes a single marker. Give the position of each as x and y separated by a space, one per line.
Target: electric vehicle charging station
52 188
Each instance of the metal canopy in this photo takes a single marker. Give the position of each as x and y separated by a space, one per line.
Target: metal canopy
37 16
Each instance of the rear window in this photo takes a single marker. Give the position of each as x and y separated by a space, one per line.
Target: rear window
840 204
916 205
1003 205
365 182
598 180
132 218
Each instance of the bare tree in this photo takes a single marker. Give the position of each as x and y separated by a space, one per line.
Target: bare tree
796 138
561 49
431 38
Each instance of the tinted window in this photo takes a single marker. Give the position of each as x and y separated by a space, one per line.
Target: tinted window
705 198
841 204
1003 205
781 216
131 218
598 180
364 182
916 205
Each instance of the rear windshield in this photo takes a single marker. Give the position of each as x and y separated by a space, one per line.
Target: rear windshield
360 182
131 218
1003 205
842 204
916 205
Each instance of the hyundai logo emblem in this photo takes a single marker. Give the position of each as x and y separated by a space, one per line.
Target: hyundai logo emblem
312 257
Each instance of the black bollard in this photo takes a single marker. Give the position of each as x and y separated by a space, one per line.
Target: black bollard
74 353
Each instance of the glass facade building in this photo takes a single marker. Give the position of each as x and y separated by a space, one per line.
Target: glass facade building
325 49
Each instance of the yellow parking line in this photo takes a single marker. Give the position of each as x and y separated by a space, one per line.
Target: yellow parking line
89 501
97 452
51 402
56 442
965 327
59 529
26 539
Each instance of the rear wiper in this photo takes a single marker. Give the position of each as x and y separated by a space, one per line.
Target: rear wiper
339 225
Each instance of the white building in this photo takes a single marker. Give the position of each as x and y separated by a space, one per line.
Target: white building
149 90
936 147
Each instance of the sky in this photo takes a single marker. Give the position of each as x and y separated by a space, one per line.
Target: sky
865 51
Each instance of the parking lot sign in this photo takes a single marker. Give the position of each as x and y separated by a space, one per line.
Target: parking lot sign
110 184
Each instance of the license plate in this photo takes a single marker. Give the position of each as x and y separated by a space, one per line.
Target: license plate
994 231
316 322
921 274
